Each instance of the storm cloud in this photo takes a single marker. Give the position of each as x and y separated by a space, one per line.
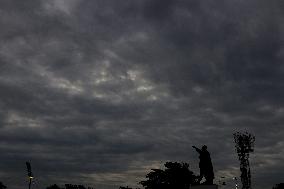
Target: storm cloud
99 92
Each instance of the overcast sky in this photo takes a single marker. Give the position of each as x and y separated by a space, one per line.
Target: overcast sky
98 92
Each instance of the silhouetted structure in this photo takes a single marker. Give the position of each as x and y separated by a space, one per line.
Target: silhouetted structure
244 145
2 186
279 186
176 175
205 165
30 174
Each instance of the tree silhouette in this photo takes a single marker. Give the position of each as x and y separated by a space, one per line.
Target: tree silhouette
279 186
2 186
68 186
244 145
54 186
176 175
71 186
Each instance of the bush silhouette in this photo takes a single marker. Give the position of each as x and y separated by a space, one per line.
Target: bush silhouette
68 186
176 175
54 186
2 186
279 186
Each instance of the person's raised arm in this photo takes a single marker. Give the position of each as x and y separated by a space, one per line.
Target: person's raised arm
197 149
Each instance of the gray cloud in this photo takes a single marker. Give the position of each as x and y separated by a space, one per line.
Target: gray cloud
101 92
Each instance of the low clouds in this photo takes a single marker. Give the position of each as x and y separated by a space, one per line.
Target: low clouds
100 92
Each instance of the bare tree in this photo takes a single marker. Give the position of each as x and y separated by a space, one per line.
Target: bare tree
244 145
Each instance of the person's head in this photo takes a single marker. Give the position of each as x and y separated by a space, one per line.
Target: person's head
204 147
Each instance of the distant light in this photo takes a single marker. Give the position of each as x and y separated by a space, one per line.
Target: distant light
31 177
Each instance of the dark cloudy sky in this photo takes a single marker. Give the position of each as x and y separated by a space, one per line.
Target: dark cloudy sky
98 92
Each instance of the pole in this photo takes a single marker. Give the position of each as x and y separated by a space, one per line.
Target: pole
30 174
30 183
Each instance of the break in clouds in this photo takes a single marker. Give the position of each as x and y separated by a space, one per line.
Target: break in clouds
99 92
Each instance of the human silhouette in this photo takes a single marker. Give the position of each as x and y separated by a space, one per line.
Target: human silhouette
205 165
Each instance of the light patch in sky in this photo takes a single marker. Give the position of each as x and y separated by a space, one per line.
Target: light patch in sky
65 6
64 84
14 119
198 89
135 37
61 83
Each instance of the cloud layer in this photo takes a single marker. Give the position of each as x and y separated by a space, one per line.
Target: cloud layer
99 92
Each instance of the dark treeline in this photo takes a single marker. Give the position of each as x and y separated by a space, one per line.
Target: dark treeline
175 175
68 186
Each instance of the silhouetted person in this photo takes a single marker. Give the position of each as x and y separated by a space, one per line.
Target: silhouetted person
205 165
